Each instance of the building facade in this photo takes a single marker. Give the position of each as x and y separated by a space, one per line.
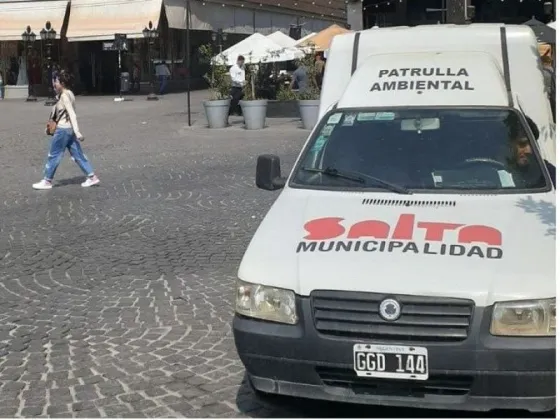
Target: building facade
85 31
364 14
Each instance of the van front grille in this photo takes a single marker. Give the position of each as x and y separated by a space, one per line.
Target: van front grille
422 319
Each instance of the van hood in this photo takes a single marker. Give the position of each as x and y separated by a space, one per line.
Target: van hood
485 248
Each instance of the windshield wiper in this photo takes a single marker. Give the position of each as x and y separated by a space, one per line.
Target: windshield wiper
359 177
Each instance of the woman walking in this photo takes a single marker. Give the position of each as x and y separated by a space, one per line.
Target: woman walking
66 135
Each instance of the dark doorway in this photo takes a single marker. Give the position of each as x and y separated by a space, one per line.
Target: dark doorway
108 71
98 69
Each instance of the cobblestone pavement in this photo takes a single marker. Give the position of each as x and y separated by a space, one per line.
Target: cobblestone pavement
116 300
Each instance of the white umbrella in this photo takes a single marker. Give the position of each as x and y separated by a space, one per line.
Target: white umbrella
282 39
256 49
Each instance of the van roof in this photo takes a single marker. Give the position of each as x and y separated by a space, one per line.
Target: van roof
348 52
426 79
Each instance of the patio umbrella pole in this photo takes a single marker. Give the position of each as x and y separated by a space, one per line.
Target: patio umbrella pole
188 58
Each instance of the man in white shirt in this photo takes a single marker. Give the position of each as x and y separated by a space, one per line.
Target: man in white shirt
162 73
237 75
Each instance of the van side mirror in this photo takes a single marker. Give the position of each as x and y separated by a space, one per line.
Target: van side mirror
268 175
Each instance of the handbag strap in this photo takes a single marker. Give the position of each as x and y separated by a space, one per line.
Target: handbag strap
57 115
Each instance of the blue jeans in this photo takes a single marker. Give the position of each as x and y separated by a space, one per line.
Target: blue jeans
64 138
162 84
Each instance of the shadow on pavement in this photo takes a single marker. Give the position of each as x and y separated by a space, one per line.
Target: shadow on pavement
77 180
275 406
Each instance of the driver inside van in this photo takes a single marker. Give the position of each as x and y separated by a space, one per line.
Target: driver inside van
523 165
522 152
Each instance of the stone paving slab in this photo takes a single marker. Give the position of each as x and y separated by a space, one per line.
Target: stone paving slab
116 301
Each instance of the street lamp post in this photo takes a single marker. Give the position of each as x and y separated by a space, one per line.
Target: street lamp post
48 35
150 33
28 39
219 36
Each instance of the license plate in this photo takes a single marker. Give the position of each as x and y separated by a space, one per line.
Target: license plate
392 362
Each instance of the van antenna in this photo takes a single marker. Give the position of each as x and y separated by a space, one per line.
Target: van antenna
505 60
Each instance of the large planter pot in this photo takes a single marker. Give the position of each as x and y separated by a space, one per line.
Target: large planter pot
309 113
254 113
217 113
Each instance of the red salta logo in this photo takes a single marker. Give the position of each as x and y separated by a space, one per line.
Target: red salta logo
332 234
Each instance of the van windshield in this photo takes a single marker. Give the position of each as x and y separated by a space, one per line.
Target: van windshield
421 149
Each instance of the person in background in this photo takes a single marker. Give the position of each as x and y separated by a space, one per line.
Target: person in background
299 77
55 71
550 82
237 75
162 73
67 135
319 69
135 78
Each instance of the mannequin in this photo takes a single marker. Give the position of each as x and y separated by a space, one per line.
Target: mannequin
22 74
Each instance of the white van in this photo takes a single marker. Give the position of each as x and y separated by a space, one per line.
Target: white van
409 259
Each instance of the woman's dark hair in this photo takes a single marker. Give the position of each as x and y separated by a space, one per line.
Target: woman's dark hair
65 78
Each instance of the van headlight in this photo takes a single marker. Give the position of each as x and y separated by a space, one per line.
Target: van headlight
265 302
529 318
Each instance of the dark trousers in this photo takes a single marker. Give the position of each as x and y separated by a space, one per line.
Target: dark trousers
135 85
162 84
236 95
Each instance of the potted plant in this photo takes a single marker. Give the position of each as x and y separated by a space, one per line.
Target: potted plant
253 106
217 107
309 97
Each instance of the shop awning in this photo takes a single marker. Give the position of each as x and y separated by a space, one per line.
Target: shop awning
176 11
100 20
15 17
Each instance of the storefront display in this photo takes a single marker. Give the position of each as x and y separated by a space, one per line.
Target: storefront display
13 67
10 59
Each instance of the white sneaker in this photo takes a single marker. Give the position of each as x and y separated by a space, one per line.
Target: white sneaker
90 182
43 185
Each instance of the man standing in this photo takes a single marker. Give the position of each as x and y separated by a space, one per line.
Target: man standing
550 82
162 73
319 69
299 78
237 75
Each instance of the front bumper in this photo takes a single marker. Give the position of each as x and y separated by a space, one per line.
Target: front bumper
481 373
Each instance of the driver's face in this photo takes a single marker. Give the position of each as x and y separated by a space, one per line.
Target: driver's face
523 151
